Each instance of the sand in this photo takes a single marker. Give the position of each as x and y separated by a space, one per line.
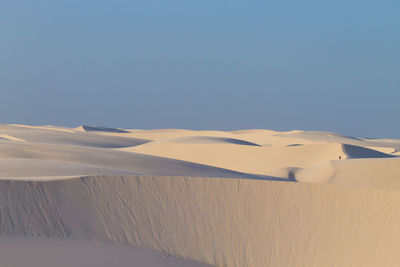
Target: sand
191 198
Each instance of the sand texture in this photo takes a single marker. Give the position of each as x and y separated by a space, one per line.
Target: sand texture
173 197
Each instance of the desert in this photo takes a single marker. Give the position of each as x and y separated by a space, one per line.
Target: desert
98 196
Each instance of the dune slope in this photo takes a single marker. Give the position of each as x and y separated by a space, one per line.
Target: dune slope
223 222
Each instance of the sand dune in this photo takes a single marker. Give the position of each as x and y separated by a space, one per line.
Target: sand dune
113 159
39 252
7 137
45 127
249 159
211 140
256 159
241 198
85 128
40 169
45 135
223 222
376 173
362 152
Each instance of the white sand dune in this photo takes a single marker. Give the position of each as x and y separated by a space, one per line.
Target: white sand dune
231 222
41 168
7 137
244 158
376 173
45 127
111 159
262 160
39 252
45 135
241 198
85 128
211 140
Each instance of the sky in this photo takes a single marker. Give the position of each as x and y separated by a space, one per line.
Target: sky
202 65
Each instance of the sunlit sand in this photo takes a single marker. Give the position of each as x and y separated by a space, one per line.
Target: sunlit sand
173 197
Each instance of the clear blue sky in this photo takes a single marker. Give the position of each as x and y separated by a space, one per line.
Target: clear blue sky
311 65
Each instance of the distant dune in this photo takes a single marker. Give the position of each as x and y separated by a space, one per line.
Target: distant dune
85 128
197 198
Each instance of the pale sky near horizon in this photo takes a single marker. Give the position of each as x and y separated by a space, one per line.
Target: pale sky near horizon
309 65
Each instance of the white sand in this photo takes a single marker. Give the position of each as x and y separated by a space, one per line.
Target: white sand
159 190
56 252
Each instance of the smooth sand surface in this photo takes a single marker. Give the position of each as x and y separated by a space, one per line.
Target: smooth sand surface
240 198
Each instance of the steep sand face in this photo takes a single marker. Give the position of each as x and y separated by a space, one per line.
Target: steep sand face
40 252
241 198
224 222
